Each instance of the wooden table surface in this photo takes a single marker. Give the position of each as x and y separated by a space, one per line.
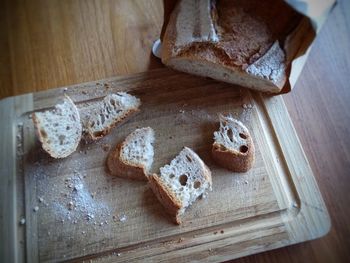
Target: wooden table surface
47 44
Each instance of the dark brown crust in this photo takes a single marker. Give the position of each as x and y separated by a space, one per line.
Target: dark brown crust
120 168
233 160
166 197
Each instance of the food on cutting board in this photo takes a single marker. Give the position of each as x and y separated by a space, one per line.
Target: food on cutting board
133 158
181 182
59 130
100 117
233 146
236 41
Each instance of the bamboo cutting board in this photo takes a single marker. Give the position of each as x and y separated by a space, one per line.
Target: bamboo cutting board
75 211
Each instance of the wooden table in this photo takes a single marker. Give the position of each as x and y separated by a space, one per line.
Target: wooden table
46 44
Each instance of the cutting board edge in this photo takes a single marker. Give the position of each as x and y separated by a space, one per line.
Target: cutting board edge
11 109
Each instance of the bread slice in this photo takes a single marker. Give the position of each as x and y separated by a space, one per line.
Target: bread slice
235 41
59 130
181 183
233 146
100 117
134 157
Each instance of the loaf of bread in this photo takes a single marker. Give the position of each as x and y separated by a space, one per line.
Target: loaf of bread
236 41
233 147
181 183
133 158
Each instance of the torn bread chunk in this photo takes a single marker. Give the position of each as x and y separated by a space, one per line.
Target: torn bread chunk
181 182
133 158
59 130
233 146
100 117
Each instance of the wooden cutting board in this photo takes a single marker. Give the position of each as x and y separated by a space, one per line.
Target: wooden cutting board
75 211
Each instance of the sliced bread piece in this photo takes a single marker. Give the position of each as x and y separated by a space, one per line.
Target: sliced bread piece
233 146
181 183
100 117
133 158
59 130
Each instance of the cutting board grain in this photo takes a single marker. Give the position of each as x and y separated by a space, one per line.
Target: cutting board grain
75 211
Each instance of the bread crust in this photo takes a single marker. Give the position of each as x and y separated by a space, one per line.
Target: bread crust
167 197
122 168
233 160
265 68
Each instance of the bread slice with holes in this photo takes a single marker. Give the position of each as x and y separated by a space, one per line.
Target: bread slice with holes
181 183
233 146
59 130
100 117
133 158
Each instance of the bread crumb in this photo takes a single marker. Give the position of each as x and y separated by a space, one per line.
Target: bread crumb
41 199
22 221
36 208
123 218
106 147
90 216
70 206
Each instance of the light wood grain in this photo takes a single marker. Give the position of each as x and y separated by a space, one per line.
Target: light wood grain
276 203
318 105
55 43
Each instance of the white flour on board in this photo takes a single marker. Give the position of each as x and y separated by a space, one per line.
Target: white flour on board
70 198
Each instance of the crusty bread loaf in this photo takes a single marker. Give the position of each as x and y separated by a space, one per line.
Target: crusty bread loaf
133 158
181 183
233 146
59 130
235 41
100 117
